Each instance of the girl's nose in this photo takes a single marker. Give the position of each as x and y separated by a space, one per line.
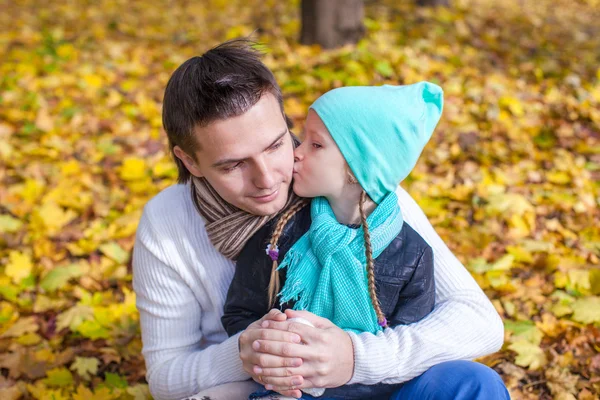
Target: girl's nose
298 153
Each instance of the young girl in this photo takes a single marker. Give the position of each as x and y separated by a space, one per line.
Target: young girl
349 257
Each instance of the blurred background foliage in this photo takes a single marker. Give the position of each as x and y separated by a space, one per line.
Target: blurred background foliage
510 178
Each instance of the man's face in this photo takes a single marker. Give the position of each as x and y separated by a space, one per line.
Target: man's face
320 168
247 159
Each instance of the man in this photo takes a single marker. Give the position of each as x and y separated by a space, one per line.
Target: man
223 114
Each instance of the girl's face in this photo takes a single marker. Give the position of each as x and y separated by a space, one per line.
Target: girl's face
319 167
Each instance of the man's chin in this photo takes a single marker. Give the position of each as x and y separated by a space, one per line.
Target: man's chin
270 208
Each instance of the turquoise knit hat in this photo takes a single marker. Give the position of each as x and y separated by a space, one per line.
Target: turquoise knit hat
381 130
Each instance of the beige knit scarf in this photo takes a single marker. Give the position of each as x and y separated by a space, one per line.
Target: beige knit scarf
229 227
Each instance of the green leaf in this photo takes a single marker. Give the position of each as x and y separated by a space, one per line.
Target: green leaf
59 377
384 68
115 252
504 263
59 276
595 281
478 265
115 381
9 224
524 330
93 330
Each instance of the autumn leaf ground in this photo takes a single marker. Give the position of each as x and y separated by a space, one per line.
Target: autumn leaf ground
510 179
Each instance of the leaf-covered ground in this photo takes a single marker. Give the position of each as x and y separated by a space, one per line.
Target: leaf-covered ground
510 179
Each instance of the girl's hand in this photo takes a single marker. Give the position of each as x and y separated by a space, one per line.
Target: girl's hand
326 352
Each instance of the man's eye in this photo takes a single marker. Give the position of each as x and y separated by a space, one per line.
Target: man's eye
229 169
316 145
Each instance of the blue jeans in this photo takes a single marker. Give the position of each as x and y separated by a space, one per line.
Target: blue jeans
460 380
456 380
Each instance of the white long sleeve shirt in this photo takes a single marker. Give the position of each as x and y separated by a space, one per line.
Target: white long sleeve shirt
181 283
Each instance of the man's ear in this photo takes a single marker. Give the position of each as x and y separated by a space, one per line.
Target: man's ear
188 161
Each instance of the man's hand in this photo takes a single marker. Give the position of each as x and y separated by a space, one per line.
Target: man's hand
326 351
255 360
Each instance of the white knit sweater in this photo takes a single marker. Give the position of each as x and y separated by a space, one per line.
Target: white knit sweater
181 282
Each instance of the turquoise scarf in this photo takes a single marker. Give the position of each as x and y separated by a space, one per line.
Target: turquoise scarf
326 267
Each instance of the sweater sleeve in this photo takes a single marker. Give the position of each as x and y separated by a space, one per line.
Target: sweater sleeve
170 318
463 325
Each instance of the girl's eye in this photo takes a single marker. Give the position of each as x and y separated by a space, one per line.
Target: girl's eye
316 145
277 145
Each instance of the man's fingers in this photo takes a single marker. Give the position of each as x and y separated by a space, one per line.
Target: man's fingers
292 393
278 336
274 315
293 326
285 383
282 371
281 349
271 361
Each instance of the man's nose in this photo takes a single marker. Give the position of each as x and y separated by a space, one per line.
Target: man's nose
264 177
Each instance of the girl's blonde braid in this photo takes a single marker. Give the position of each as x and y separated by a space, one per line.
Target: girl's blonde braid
274 251
370 263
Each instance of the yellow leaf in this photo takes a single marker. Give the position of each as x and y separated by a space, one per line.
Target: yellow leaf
70 168
586 310
139 392
65 50
74 317
558 177
520 254
133 168
164 169
93 80
44 303
518 227
29 339
579 279
513 104
86 367
19 266
504 263
54 217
